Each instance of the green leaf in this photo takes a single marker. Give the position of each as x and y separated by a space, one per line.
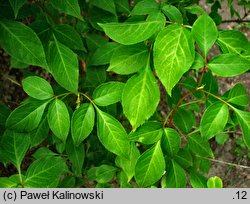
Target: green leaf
244 120
15 35
108 93
184 119
112 134
235 42
145 7
173 13
11 182
16 5
184 158
173 55
148 133
37 87
45 172
210 82
63 65
198 62
205 33
238 95
195 9
171 141
43 152
68 36
129 59
4 113
15 145
199 146
140 97
228 65
214 182
197 180
58 119
132 32
82 123
128 165
150 166
122 6
107 5
76 155
102 174
222 138
214 120
70 7
26 117
175 177
103 54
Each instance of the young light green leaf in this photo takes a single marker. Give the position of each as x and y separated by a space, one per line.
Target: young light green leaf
199 146
45 172
76 156
16 5
63 65
173 13
82 123
107 5
58 119
132 32
112 134
238 95
176 176
140 97
37 87
26 117
70 7
15 35
244 120
148 133
128 59
108 93
150 166
128 165
214 182
15 145
197 180
214 120
205 33
228 65
173 55
171 141
69 37
145 7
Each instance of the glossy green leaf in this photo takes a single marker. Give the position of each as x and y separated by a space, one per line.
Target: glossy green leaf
82 123
171 141
26 117
172 58
140 97
58 119
205 33
63 65
112 134
107 5
132 32
76 155
102 174
128 59
199 146
108 93
184 119
37 87
228 65
45 172
30 50
197 180
16 5
43 152
70 7
15 145
150 166
148 133
214 120
238 95
184 158
68 36
195 9
244 120
145 7
40 134
128 165
173 13
10 182
175 176
214 182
